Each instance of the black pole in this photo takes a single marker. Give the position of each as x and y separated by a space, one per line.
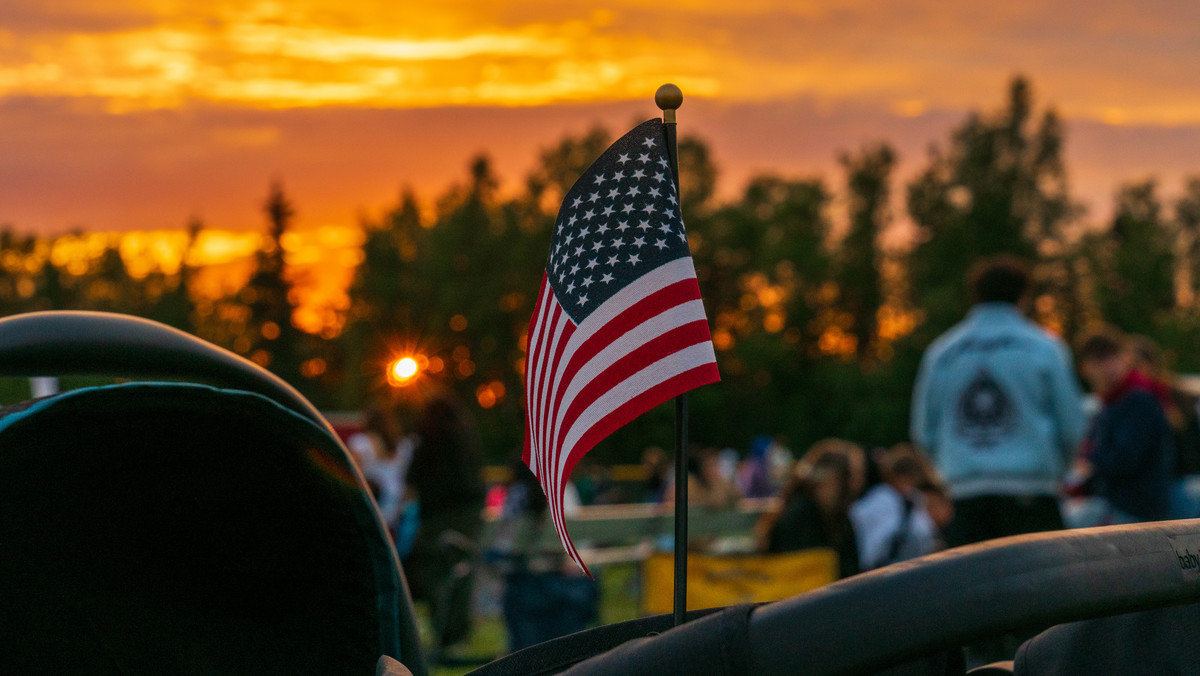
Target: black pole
681 508
669 98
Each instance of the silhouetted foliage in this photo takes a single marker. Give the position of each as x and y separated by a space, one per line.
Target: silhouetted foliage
274 340
173 304
860 260
1000 187
1136 261
818 329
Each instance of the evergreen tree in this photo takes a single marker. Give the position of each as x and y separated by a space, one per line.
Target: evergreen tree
559 166
17 284
381 318
697 178
52 290
1136 263
379 292
1187 224
175 307
273 339
859 278
1000 188
763 265
107 286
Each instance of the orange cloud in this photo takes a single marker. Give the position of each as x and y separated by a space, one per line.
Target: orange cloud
138 114
1116 61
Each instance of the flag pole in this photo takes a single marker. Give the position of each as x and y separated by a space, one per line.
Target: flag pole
669 98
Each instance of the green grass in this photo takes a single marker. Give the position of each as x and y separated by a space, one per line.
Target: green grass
619 601
620 593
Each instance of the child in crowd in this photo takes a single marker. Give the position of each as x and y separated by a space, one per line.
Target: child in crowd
891 521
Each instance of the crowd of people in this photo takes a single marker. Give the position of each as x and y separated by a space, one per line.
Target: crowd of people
1003 442
429 487
871 508
998 408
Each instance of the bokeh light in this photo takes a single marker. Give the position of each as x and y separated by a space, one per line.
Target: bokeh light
403 371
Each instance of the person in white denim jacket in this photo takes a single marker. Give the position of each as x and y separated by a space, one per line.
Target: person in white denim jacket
998 408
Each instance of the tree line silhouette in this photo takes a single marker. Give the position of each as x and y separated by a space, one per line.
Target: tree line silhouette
819 311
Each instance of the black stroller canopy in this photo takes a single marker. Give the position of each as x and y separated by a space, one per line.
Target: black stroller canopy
175 528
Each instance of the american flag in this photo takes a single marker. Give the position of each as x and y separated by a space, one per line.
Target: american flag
618 327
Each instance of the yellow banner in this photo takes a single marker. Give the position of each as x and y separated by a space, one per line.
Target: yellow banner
728 579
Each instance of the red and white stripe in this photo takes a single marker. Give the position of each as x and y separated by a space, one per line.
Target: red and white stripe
648 343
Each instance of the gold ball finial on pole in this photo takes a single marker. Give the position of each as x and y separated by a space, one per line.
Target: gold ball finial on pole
668 98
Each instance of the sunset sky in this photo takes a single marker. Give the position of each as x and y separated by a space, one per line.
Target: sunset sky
139 114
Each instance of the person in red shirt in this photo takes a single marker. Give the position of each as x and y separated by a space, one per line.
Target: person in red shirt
1128 455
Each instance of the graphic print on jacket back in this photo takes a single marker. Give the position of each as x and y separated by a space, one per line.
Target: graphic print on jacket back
985 414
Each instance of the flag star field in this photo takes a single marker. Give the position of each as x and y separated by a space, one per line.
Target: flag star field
617 226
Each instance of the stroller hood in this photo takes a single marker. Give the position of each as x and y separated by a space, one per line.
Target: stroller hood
169 528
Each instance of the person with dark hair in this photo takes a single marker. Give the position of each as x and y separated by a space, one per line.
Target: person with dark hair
707 486
890 520
1179 405
446 475
657 467
999 279
756 477
816 502
997 407
1129 454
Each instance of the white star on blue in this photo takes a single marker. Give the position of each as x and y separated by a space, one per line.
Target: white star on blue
626 188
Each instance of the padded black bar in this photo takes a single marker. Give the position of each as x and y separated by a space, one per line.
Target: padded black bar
61 342
716 645
922 607
556 655
910 609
